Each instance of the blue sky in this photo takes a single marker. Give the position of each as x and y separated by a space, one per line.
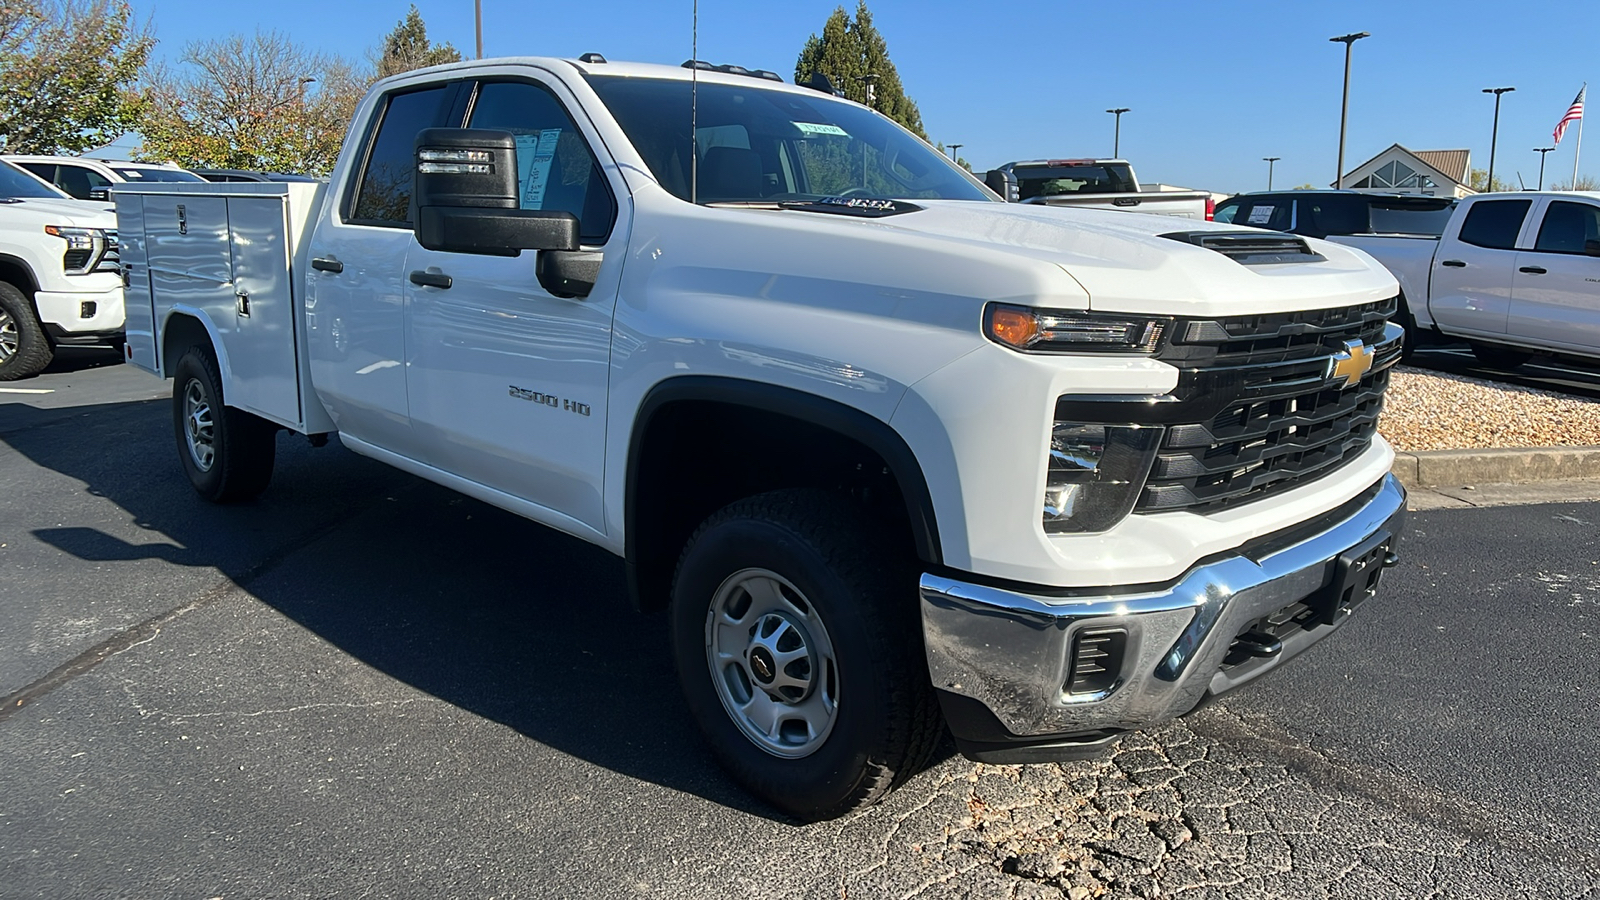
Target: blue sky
1213 87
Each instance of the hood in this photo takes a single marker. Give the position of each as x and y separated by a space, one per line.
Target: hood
59 211
1123 263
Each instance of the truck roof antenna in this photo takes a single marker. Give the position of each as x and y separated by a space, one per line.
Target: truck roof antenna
694 106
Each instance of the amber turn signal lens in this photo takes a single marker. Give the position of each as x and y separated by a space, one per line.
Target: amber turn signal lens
1013 326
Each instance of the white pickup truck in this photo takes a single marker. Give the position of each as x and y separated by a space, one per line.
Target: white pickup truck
894 455
1512 274
1092 184
59 278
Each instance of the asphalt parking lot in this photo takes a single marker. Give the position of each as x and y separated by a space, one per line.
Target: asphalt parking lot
365 685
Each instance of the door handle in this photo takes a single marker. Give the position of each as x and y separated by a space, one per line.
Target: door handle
430 279
1533 270
327 264
242 302
1454 263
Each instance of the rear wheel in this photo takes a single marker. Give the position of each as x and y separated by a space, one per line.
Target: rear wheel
24 348
227 453
798 647
1500 357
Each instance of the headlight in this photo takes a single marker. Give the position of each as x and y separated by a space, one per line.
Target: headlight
1064 331
1096 474
85 247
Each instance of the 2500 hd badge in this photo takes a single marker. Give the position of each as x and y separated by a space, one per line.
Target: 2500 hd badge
549 400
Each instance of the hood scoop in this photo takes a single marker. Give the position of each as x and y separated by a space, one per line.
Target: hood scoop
1251 249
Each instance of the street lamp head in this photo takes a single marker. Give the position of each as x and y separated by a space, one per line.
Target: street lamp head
1498 91
1271 158
1348 39
1118 111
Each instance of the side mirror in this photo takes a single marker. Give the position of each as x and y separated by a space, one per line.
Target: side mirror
466 191
99 194
1591 248
1003 183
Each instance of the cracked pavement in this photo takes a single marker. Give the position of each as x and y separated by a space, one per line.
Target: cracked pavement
364 685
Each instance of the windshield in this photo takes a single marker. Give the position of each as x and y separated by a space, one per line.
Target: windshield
1406 216
140 173
1049 181
756 145
19 185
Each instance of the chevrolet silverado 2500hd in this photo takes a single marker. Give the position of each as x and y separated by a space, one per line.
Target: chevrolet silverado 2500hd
894 455
1092 184
59 280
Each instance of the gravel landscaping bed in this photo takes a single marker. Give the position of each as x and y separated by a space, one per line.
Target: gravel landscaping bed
1433 411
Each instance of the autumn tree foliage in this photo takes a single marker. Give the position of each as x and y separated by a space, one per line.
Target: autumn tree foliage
848 51
407 47
260 102
67 73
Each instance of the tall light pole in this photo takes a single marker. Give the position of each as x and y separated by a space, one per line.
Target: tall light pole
1542 151
1116 135
1344 108
1270 160
1494 135
953 149
477 18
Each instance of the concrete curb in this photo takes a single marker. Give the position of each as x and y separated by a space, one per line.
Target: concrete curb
1455 468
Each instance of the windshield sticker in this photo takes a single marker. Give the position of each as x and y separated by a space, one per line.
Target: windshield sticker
1260 215
535 153
819 128
130 174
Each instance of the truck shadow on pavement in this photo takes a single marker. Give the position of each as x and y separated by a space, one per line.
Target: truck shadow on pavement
496 615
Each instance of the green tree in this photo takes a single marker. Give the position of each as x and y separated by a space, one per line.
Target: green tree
1479 181
258 102
67 73
849 51
407 47
1585 183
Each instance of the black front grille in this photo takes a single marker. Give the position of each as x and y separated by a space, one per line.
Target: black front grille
1279 415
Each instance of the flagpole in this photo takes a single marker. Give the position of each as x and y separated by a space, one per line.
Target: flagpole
1578 149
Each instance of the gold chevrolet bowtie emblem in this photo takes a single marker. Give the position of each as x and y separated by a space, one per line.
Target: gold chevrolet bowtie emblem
1354 361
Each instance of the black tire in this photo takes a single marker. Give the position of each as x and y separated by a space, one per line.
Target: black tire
1499 357
862 588
232 455
24 348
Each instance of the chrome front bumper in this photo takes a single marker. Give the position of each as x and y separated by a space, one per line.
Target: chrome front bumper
1010 651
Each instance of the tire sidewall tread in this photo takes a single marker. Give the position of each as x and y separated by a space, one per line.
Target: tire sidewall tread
34 351
243 444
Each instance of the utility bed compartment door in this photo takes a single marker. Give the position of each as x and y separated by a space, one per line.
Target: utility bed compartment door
140 340
262 350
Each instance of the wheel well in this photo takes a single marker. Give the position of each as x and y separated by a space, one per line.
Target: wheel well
181 332
690 457
16 273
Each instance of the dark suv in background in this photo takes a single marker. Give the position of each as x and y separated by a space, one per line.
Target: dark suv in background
1319 214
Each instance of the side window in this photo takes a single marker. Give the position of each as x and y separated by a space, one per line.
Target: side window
384 196
1494 223
1225 212
47 171
555 168
1568 227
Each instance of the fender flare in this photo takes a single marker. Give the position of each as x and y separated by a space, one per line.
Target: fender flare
867 430
220 349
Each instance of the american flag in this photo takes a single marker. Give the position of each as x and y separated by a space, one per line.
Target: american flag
1574 112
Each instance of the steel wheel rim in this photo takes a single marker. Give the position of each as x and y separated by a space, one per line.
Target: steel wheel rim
8 337
199 426
772 663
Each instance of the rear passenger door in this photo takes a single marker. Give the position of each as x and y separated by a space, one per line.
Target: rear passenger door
1555 298
1473 270
507 381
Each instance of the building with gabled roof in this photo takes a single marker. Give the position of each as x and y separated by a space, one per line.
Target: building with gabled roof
1434 173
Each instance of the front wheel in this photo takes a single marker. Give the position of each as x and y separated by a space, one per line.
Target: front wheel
24 348
227 453
798 647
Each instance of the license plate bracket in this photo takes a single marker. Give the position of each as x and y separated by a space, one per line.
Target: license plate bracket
1356 573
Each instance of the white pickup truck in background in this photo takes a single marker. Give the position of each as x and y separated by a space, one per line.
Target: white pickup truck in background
60 283
894 456
1092 184
1513 275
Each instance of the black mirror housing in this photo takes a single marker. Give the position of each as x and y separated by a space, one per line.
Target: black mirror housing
467 198
1003 183
99 193
495 232
1591 248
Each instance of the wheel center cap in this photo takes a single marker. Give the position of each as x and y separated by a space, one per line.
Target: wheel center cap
762 665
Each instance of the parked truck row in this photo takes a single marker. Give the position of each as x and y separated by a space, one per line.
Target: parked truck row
894 456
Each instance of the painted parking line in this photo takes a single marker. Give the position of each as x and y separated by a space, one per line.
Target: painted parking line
27 390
